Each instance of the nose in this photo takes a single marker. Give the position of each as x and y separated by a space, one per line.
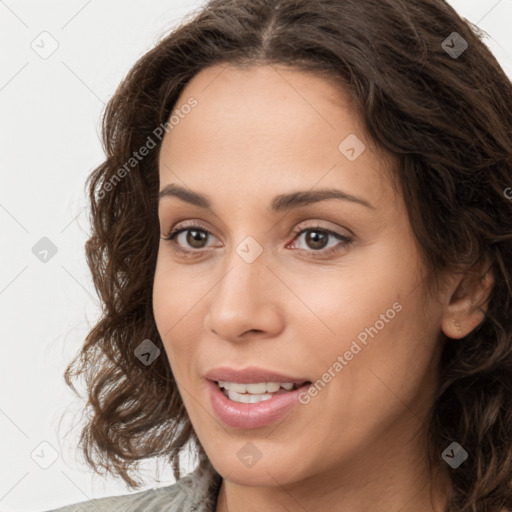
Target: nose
244 303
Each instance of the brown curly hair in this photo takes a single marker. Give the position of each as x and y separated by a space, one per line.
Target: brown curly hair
447 119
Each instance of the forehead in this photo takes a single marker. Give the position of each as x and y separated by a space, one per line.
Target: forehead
248 94
278 124
269 81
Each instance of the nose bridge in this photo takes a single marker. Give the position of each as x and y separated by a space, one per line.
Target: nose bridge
242 299
244 275
245 258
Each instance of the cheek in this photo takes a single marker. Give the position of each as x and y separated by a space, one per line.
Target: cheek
395 369
346 306
374 319
169 307
173 295
179 304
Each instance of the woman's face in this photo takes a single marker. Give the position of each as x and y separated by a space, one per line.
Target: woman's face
263 284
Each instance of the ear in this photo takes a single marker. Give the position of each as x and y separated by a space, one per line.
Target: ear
468 301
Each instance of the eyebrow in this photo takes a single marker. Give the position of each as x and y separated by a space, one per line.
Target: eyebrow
282 202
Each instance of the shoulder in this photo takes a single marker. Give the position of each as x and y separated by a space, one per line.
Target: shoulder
196 492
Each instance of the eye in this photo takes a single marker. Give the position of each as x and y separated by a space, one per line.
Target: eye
194 236
316 239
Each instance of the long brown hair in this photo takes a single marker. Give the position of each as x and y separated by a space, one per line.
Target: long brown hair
448 120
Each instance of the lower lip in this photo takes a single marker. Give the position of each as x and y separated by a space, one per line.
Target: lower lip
246 416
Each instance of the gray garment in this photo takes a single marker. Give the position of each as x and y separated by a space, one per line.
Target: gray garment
195 492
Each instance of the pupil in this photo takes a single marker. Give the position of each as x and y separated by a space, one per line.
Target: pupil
194 236
312 236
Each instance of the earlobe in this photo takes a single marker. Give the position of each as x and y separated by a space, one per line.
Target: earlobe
468 304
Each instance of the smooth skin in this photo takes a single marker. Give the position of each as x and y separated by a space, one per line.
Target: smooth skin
357 445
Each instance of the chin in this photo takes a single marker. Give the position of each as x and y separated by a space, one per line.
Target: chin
265 472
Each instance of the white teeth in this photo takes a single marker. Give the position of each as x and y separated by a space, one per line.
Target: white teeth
247 398
258 388
239 388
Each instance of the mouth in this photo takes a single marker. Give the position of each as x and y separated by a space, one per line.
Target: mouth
255 392
253 396
255 404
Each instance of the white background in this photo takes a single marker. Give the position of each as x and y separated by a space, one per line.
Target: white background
49 128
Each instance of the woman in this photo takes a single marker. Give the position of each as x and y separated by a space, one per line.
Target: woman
303 242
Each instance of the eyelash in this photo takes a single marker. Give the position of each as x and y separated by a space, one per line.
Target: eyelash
346 240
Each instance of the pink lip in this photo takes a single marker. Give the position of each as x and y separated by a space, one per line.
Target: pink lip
251 375
246 416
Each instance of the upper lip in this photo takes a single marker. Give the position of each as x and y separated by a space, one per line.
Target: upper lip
250 375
